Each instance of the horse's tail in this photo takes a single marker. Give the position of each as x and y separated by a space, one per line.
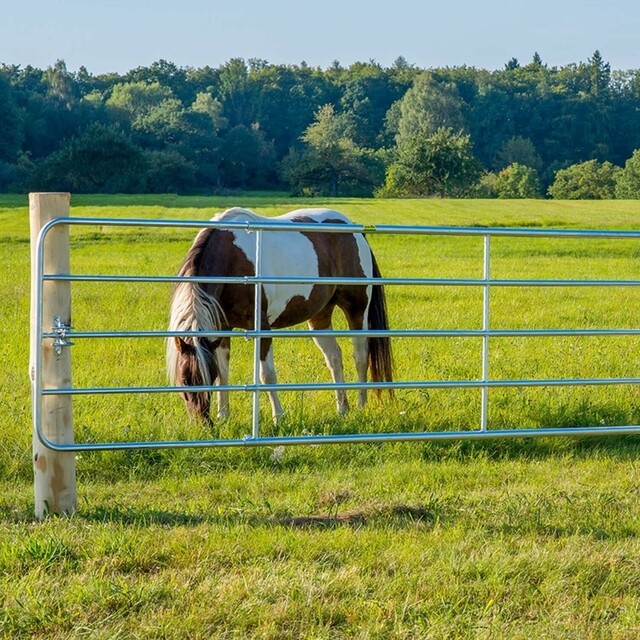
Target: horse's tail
380 355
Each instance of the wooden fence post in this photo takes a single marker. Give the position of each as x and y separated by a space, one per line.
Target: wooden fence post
54 471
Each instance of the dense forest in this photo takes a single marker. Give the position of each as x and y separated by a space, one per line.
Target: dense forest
526 130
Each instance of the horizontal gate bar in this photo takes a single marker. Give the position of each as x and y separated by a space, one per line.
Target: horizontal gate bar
249 334
352 438
435 282
348 386
510 232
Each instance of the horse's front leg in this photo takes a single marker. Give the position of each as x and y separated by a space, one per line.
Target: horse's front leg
268 376
223 353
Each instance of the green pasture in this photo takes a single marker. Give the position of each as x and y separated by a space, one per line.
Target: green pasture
504 539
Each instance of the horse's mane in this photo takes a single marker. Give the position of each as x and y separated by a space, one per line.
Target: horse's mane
193 309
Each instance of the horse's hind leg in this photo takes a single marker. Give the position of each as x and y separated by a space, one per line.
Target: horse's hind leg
268 375
361 357
360 345
223 353
333 357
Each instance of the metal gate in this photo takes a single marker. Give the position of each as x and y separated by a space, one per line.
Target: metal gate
61 336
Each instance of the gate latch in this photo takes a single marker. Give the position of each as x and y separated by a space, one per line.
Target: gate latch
60 329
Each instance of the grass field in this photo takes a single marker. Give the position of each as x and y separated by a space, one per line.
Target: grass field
517 539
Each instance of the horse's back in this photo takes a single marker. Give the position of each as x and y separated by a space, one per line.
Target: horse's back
238 214
309 214
314 214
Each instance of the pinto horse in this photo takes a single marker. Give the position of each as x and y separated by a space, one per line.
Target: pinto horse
211 306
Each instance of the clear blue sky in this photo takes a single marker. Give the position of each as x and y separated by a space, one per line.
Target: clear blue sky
119 35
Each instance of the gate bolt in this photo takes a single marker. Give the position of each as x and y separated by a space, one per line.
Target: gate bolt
60 329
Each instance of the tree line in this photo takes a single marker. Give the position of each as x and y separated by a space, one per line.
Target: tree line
527 130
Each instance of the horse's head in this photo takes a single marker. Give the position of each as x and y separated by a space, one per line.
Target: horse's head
195 366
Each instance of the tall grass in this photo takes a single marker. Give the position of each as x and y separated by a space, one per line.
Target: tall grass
497 540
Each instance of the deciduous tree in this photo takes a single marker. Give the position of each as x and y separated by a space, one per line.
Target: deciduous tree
441 164
248 159
517 181
589 180
428 106
521 151
628 179
102 158
330 159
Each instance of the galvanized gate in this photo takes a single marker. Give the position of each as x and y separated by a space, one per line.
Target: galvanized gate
61 336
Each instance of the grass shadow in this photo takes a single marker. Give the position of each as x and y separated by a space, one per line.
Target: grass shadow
396 516
615 447
142 517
